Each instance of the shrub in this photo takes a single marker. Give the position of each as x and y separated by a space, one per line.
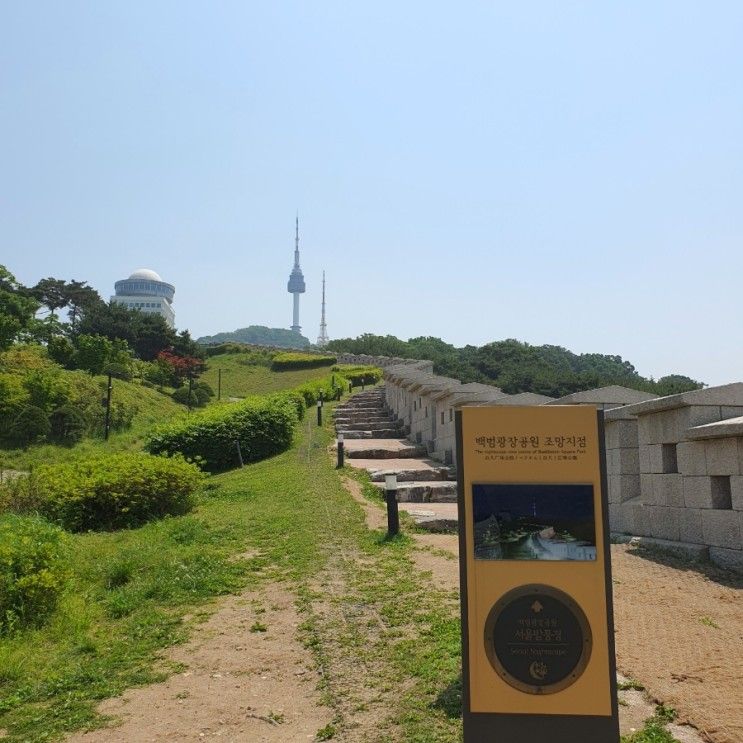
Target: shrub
204 388
32 570
67 425
29 426
264 426
358 375
288 361
108 492
181 395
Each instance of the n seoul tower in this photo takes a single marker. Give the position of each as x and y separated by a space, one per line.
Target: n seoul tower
296 283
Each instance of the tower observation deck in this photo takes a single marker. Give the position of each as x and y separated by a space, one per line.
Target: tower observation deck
296 283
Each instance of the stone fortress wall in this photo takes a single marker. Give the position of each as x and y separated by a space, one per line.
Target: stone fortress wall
674 464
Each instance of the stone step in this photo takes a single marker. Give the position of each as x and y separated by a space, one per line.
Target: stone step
391 433
363 418
432 491
383 449
438 517
367 426
341 412
406 470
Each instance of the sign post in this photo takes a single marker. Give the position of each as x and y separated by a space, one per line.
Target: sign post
537 621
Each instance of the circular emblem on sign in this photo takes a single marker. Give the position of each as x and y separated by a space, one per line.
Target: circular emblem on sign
538 639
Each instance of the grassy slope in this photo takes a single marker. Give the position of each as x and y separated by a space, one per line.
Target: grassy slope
240 379
152 407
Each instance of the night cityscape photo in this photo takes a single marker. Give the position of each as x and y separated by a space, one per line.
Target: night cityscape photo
534 522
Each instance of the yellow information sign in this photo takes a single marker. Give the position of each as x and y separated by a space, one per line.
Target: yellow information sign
536 587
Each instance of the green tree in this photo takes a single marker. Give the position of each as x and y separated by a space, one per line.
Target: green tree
17 308
80 299
673 384
146 333
50 292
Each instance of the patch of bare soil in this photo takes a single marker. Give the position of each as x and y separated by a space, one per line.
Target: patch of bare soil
375 517
680 632
239 685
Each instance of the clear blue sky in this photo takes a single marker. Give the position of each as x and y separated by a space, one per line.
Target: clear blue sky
558 172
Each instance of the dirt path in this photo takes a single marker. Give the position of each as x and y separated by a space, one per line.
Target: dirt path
680 632
239 685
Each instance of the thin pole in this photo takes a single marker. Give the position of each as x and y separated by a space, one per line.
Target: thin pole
319 412
239 453
107 425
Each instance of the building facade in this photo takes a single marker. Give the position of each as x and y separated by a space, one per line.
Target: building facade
145 291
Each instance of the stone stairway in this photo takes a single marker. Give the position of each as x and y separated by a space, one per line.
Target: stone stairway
364 416
374 441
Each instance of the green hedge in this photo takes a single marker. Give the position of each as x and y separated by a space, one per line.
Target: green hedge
264 426
289 361
32 571
104 492
359 375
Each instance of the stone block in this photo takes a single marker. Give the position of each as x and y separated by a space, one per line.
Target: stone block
721 529
655 454
643 431
730 411
629 487
668 491
698 415
702 492
615 517
623 488
693 552
691 458
736 492
621 434
612 462
665 426
627 461
664 522
690 525
646 489
644 456
643 520
722 456
727 558
627 519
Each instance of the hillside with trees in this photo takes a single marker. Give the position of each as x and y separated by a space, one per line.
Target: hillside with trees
258 335
518 367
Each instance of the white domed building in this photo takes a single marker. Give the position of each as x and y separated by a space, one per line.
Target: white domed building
145 291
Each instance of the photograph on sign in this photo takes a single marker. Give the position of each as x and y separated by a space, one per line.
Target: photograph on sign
533 522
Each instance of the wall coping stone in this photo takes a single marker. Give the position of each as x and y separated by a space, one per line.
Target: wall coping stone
725 394
618 414
613 393
524 398
732 427
470 388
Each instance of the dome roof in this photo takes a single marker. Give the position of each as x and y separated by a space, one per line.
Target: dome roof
145 273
